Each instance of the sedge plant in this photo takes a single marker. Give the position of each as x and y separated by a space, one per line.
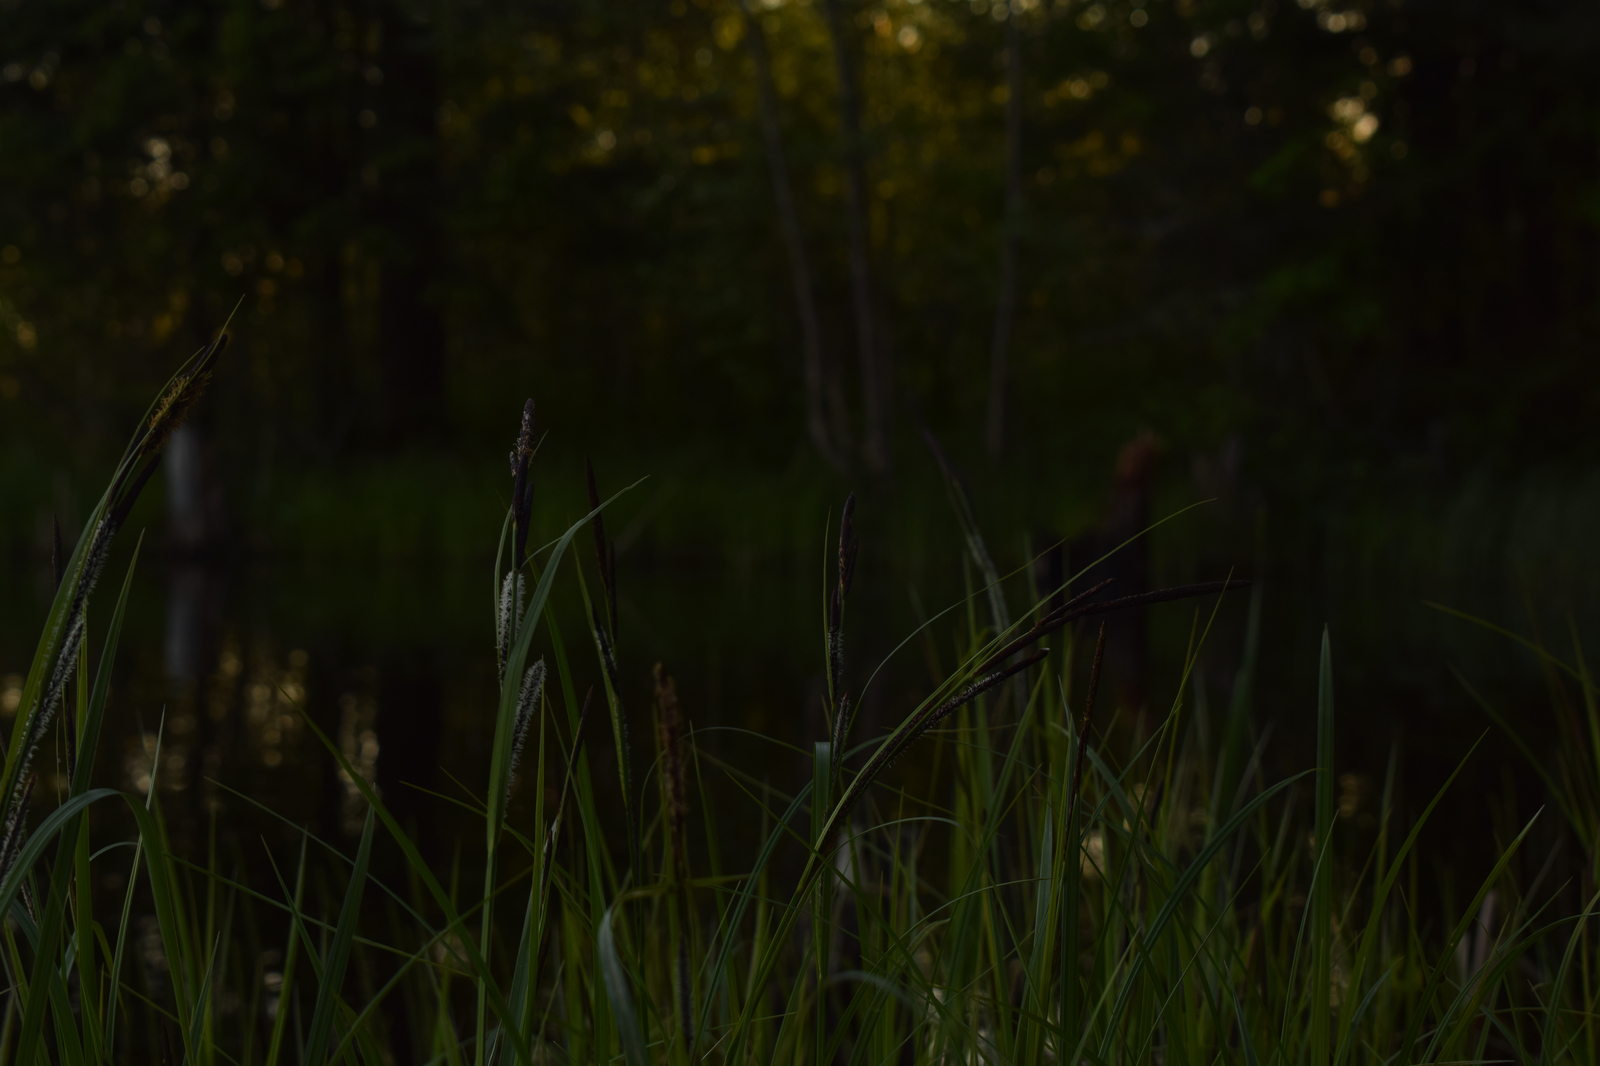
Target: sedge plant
1047 887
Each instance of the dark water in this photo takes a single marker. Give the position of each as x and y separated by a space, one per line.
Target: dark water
395 664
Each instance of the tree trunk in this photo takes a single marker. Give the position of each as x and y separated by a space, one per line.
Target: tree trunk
874 394
812 371
403 197
1006 307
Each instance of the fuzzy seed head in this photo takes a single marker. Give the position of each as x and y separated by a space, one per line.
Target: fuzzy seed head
528 700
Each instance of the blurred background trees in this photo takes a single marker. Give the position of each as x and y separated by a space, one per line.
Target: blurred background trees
1325 252
1331 263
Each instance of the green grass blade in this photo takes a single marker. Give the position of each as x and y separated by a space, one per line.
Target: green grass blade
622 1008
1175 899
65 822
1322 888
1447 955
197 1023
424 874
339 953
1380 897
291 953
1246 1043
1552 1018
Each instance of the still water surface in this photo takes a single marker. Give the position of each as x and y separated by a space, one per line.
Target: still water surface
396 665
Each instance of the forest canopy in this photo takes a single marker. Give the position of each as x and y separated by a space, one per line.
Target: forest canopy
1337 235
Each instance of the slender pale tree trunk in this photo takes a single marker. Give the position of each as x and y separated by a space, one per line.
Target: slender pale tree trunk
1006 307
874 386
811 365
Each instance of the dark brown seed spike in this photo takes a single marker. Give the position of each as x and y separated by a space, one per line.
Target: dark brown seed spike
847 547
611 586
841 728
170 409
1056 619
521 490
1047 624
673 776
1142 599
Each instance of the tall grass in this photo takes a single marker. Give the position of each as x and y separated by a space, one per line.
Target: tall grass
1009 874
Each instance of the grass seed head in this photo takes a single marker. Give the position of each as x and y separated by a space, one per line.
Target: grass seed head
527 704
521 487
669 718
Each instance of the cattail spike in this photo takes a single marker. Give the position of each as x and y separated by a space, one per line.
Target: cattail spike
673 769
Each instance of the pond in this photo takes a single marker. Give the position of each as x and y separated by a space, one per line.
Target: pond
223 665
395 664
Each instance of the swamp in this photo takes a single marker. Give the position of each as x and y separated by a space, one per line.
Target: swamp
799 531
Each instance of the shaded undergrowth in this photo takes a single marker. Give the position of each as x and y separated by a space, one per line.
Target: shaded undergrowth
1006 875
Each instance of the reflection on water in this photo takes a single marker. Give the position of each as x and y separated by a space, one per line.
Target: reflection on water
223 669
186 628
272 692
220 667
358 743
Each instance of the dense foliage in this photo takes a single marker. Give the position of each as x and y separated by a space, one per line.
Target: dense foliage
1340 233
1015 871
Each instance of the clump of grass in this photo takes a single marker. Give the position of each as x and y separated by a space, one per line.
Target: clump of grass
1052 893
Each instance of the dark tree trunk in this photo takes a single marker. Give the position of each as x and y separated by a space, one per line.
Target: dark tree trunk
811 364
874 383
1006 307
404 195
